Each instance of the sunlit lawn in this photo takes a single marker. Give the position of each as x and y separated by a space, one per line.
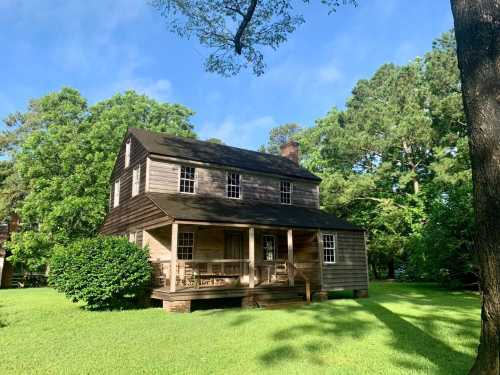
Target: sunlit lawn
400 329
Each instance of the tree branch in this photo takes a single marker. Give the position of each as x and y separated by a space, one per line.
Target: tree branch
238 46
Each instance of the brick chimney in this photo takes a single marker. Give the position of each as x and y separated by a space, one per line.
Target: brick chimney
290 150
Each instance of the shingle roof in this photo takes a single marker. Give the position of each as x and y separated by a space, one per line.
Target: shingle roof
193 149
224 210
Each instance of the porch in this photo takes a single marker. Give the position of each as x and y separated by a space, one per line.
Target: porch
196 260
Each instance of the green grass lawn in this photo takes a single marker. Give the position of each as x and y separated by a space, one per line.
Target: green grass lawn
400 329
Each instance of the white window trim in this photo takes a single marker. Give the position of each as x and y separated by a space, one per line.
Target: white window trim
227 185
116 193
138 183
194 244
291 192
335 248
275 254
128 148
195 186
132 236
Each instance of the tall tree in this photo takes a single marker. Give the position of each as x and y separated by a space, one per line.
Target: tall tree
477 29
65 165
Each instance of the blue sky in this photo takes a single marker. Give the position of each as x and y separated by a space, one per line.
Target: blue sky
101 47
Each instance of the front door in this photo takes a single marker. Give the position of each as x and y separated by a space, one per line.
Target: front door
234 245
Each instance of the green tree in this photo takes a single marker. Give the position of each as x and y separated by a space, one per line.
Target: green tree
65 165
279 136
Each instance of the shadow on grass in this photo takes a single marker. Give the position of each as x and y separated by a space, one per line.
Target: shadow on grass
331 322
3 324
410 339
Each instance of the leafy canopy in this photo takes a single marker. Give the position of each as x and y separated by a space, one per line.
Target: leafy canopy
237 32
62 153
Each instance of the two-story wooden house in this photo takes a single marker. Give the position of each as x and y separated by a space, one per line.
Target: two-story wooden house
226 222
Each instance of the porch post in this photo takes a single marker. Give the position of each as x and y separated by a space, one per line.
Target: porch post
320 256
251 256
291 272
173 257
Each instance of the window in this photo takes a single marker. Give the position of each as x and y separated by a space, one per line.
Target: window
132 237
269 247
116 194
136 180
233 187
127 153
329 248
185 245
285 192
187 179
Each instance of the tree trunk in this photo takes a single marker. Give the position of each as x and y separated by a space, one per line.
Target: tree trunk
477 29
391 274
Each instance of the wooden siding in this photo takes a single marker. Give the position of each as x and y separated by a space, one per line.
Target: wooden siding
164 178
131 215
306 255
349 270
138 155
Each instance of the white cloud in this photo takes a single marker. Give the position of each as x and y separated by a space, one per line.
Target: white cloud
238 133
160 89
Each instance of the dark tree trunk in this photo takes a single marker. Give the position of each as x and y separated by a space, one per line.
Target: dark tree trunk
477 29
375 272
390 269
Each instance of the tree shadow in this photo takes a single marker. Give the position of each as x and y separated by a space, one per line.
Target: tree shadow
331 321
3 323
410 339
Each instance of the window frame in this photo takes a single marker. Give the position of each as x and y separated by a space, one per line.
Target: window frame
128 148
240 184
116 193
181 179
180 247
136 184
290 192
275 250
333 249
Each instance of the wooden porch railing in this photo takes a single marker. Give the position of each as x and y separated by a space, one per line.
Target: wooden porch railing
298 272
202 273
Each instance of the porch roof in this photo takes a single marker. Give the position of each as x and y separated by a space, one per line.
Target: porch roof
222 210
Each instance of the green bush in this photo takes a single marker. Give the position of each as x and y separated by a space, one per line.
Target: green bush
104 272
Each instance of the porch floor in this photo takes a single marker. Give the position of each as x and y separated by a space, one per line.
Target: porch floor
268 290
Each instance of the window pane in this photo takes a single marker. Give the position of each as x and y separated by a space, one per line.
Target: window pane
187 180
185 245
285 192
269 247
233 185
329 248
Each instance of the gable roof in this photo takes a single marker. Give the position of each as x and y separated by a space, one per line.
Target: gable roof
224 210
203 151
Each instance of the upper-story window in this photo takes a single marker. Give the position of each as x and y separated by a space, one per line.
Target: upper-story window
329 247
136 180
127 153
116 194
233 185
187 180
285 192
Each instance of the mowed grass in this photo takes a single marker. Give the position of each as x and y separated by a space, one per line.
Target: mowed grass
400 329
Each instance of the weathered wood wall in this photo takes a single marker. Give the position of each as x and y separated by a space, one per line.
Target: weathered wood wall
164 178
131 215
350 268
138 155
